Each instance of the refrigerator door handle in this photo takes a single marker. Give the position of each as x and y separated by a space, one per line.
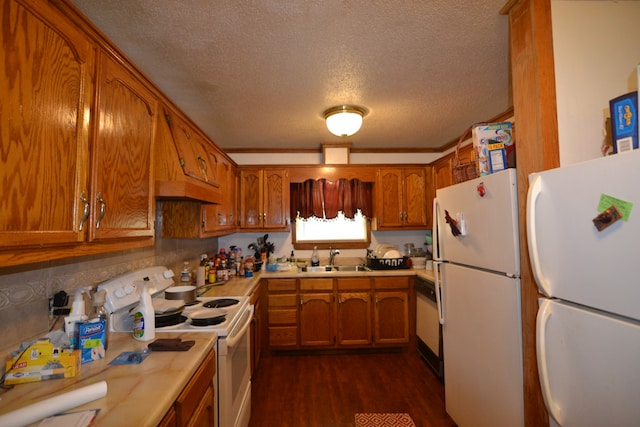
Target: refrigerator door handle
544 312
435 240
436 277
535 189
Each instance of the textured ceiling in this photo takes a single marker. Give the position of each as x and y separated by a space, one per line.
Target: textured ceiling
258 74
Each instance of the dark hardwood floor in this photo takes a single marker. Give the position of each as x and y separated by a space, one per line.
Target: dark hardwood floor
328 390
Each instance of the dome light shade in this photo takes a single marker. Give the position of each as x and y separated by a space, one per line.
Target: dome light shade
344 120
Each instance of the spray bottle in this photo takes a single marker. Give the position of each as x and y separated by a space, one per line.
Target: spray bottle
76 316
144 320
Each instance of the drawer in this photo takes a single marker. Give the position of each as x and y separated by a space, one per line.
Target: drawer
286 300
283 336
283 317
324 284
275 285
394 282
354 283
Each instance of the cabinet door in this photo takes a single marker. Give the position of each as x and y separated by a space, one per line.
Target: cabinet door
416 206
204 415
390 198
442 172
251 198
276 198
122 196
47 90
316 319
391 317
354 318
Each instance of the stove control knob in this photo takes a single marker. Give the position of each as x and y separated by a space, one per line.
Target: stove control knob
129 289
119 293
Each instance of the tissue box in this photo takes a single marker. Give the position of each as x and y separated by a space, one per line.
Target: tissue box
92 339
624 122
493 147
42 361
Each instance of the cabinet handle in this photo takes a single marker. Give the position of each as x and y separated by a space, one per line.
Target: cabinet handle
264 218
203 168
301 301
85 210
103 208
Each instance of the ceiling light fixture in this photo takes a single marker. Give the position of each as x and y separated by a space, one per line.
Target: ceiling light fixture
344 120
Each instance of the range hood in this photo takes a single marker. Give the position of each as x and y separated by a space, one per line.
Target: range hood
185 162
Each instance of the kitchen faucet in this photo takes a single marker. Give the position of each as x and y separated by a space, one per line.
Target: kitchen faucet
332 255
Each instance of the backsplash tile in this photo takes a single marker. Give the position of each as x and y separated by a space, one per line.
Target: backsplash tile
25 290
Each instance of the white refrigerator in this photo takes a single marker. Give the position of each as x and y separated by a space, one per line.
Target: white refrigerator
588 323
477 275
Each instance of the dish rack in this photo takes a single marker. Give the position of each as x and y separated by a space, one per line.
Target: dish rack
375 263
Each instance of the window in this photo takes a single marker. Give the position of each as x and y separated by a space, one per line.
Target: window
339 231
331 213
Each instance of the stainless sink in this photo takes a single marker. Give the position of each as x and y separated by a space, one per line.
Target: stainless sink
334 268
321 268
351 268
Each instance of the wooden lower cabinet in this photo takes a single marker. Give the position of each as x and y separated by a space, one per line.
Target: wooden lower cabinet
282 313
195 406
345 312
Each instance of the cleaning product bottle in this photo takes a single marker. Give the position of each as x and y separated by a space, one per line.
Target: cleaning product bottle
144 320
101 313
76 316
315 259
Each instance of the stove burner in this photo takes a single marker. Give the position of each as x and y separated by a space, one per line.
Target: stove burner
222 302
209 321
161 322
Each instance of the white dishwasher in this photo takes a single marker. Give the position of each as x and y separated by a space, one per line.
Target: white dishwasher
428 328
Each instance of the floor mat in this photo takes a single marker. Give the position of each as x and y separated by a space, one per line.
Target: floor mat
384 420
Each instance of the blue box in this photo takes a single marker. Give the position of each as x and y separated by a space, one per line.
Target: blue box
624 122
92 337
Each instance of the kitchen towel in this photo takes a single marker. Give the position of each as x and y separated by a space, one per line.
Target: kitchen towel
171 344
54 405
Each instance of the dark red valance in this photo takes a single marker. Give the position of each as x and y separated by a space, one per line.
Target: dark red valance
324 199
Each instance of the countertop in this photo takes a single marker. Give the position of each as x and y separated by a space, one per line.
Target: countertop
140 394
133 390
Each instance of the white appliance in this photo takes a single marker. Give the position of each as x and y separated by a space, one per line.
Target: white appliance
477 270
588 324
230 319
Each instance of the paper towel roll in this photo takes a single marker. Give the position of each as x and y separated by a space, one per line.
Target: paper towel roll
55 405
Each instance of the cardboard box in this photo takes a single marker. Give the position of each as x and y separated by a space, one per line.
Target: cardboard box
624 122
42 361
493 146
92 339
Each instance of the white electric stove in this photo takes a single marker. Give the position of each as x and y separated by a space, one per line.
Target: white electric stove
228 317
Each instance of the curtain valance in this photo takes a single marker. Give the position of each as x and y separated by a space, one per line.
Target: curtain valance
323 198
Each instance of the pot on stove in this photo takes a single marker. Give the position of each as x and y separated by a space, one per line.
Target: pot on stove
186 293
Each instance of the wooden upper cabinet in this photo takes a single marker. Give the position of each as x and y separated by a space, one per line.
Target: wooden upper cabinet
122 196
46 89
264 198
198 157
402 198
222 217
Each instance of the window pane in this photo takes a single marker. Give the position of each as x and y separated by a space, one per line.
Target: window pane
332 230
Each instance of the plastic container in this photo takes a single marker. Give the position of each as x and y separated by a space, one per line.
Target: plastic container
101 313
315 259
144 320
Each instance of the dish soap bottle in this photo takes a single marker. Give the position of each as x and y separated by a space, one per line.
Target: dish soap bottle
315 259
144 320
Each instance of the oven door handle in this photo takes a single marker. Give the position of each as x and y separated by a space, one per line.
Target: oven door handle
233 338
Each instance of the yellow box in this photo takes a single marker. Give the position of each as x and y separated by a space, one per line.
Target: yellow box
42 361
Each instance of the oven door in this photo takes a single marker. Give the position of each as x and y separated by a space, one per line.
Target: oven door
234 374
